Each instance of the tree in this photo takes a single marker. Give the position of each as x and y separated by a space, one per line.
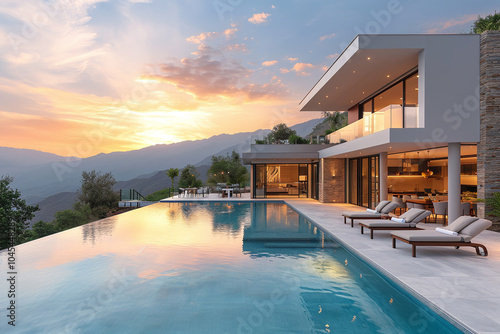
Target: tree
490 22
227 169
280 133
80 215
14 214
189 178
40 230
296 139
172 173
97 191
337 120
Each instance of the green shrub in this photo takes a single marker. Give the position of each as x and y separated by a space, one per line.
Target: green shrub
160 194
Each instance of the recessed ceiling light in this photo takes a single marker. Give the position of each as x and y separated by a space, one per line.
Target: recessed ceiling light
319 102
388 75
327 96
368 58
353 71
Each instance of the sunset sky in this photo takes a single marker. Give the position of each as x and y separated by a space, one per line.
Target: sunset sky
82 77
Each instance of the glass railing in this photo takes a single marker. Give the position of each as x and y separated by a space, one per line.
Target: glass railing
130 195
386 118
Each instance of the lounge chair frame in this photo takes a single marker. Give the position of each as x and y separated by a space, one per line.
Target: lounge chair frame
457 245
383 216
385 229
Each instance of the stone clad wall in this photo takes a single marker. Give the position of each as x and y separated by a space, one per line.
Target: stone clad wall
331 189
488 152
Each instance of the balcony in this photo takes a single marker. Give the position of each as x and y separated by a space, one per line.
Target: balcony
386 118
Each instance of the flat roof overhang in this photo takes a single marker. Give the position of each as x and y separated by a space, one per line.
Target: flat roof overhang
274 154
367 65
389 140
283 158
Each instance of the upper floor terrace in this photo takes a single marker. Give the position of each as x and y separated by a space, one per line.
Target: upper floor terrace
402 89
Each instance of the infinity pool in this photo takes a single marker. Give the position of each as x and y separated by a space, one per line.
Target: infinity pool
205 268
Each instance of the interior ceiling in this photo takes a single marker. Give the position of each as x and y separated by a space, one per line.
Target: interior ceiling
435 153
363 74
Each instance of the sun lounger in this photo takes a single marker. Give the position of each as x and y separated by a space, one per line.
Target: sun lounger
457 234
411 218
381 211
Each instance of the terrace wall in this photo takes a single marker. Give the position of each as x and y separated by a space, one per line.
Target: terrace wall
488 152
332 189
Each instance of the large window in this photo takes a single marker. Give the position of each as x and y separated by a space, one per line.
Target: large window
393 97
281 180
400 100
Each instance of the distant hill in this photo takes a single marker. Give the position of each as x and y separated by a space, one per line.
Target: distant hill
52 204
39 175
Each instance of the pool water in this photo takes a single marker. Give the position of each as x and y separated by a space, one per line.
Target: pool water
205 268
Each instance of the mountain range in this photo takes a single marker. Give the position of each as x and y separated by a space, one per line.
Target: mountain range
51 180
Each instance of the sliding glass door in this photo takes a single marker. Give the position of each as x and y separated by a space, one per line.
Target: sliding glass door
260 181
363 187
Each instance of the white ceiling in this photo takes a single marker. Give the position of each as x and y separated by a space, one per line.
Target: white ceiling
364 73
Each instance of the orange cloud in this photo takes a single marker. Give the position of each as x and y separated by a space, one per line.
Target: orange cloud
322 38
444 26
198 39
237 47
230 32
201 37
207 79
301 68
259 18
292 59
270 63
335 55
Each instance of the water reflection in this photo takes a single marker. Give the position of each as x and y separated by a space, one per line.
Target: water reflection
97 230
275 226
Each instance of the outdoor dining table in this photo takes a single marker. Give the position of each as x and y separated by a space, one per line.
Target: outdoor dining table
190 191
228 191
427 203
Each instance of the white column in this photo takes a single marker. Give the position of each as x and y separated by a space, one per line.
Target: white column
453 181
252 181
383 175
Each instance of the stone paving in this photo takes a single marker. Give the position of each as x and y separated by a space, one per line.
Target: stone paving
458 284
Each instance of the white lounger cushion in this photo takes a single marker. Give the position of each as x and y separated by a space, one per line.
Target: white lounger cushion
411 214
474 229
460 223
426 236
381 205
391 206
383 223
361 214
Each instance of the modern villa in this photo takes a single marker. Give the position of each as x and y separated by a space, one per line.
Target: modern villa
415 124
422 113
